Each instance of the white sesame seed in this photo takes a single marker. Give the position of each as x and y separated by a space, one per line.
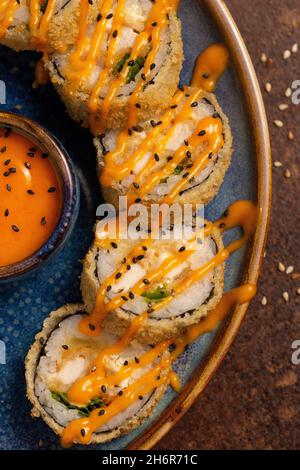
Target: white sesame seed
295 48
289 270
286 296
298 291
283 106
278 123
287 173
264 301
286 55
281 267
263 58
288 92
277 164
290 135
268 87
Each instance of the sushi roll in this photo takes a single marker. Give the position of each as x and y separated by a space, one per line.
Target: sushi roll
171 283
62 357
123 66
181 157
39 25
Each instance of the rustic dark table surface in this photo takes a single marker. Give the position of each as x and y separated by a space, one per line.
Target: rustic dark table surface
253 400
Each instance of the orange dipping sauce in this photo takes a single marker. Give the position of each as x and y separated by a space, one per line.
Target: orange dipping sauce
30 198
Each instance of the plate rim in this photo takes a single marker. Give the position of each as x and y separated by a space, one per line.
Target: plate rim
260 131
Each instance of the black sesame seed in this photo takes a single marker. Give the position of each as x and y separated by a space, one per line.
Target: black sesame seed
181 249
146 281
82 432
202 133
8 187
137 360
101 413
103 389
156 156
52 189
45 155
28 166
115 34
65 346
222 225
109 16
92 327
131 295
114 245
7 162
3 149
99 17
120 393
118 275
29 191
6 213
108 288
43 221
15 228
141 397
125 363
194 104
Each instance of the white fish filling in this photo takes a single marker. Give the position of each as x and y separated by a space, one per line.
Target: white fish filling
181 132
109 261
22 13
59 368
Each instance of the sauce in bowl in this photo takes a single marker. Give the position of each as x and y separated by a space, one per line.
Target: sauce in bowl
30 197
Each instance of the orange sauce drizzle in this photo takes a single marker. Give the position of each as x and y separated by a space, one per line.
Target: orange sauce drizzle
81 430
243 213
30 203
8 8
210 66
156 22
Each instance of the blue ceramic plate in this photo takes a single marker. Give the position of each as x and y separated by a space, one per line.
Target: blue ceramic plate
25 304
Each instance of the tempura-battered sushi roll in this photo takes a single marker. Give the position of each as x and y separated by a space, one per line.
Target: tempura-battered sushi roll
173 285
61 358
181 157
128 56
41 25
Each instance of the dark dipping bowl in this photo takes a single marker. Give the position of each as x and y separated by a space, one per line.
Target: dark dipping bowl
70 193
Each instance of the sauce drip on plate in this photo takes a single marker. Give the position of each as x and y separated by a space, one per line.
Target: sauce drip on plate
30 198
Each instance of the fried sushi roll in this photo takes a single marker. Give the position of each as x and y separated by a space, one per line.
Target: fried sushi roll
39 25
62 358
124 65
169 284
181 157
